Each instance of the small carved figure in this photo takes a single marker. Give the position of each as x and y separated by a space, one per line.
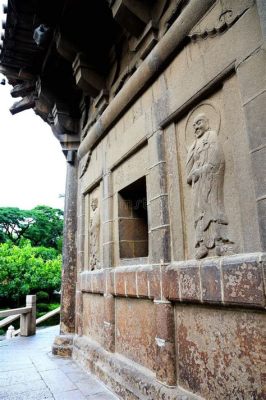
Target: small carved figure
94 235
205 172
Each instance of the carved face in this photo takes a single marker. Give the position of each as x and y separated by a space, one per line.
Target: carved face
200 125
94 204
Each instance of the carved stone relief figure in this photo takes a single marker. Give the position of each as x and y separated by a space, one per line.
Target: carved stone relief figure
94 235
205 173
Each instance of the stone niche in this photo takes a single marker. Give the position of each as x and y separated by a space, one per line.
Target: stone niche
130 209
213 172
133 220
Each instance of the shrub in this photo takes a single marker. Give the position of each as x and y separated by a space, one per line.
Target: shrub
43 307
42 296
23 271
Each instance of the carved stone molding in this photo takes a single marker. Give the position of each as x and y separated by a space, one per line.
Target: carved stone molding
221 17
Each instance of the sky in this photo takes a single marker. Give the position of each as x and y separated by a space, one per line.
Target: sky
32 165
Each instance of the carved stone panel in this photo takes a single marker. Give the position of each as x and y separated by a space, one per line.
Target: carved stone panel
205 166
209 161
94 230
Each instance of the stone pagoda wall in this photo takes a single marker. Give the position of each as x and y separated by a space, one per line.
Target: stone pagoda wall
171 237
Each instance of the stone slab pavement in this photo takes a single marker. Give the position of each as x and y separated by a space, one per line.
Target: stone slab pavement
29 371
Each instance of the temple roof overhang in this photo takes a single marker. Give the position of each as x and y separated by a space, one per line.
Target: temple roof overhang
56 54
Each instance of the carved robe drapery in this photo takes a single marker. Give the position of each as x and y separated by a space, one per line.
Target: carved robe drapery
205 172
94 236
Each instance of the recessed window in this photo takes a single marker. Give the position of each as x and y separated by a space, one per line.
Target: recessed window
133 220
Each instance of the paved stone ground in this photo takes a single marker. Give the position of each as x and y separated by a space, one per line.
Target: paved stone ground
28 371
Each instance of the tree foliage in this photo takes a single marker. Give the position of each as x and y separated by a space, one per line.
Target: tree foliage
27 269
42 225
14 223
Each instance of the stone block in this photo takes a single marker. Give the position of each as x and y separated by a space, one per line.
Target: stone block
108 254
254 66
243 282
135 331
156 181
155 285
211 281
170 283
189 276
262 222
133 229
126 249
160 245
220 352
119 282
93 317
166 370
141 248
63 346
92 281
158 209
258 159
127 282
109 280
143 281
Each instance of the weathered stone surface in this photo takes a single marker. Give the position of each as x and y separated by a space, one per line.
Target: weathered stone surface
165 343
190 283
93 316
211 281
125 377
220 352
135 331
243 282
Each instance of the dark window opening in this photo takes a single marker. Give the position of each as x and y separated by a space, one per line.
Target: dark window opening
133 220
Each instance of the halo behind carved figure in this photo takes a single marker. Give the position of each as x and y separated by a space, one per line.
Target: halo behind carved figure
214 118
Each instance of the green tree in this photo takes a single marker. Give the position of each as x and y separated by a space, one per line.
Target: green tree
42 225
14 223
47 228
